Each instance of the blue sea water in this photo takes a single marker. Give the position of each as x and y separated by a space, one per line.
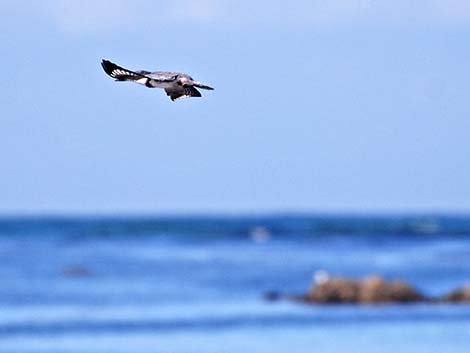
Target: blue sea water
196 285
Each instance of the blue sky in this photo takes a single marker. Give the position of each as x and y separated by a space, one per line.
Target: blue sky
324 106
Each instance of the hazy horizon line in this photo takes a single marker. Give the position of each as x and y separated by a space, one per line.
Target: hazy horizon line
233 214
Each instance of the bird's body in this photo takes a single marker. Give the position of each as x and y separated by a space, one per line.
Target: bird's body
176 84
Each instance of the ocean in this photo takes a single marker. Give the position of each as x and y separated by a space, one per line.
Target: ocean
197 284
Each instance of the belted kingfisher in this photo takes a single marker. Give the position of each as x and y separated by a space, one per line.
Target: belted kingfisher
176 84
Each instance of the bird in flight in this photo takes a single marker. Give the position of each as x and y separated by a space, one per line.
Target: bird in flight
176 84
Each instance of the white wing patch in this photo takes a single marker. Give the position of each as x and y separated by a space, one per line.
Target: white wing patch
142 81
181 97
119 72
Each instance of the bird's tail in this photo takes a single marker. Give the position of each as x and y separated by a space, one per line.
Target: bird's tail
203 86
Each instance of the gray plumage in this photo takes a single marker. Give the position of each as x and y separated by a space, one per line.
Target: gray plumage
176 84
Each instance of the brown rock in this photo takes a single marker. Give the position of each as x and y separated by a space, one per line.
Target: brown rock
334 290
375 289
371 290
460 295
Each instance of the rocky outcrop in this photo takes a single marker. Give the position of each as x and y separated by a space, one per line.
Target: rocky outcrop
370 290
460 295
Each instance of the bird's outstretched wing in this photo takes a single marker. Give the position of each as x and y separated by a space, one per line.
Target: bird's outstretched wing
182 92
146 78
121 74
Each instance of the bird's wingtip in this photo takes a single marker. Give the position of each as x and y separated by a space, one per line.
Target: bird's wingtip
107 66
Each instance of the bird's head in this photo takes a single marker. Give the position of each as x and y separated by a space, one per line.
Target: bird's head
183 81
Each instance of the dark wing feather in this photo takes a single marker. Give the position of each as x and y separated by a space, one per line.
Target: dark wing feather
181 92
121 74
191 92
